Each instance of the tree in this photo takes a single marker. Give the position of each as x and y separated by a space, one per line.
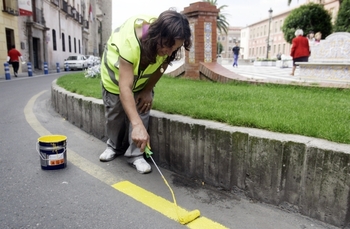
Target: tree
342 24
221 22
219 47
310 17
319 1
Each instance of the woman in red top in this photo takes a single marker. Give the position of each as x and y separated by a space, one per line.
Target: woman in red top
300 51
13 58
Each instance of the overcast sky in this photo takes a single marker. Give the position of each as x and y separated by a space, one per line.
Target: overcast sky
239 12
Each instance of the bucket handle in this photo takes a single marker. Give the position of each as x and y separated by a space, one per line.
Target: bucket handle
41 156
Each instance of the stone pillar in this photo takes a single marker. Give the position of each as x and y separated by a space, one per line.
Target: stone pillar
202 17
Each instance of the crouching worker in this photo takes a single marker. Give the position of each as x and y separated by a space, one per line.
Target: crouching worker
135 57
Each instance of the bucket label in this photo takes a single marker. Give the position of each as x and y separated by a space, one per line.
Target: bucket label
56 159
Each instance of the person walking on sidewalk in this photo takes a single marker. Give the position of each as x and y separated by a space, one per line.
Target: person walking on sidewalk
235 51
135 57
300 51
13 58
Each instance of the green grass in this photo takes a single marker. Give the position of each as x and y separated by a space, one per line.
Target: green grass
309 111
77 83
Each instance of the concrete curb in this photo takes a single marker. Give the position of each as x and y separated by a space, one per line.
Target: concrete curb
308 175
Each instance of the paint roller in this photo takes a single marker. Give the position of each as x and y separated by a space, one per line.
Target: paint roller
184 219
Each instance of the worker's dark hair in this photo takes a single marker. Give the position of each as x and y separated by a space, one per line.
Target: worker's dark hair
169 26
13 46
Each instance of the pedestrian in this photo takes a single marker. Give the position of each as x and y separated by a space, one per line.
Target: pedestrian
235 51
311 37
135 57
318 37
300 50
13 58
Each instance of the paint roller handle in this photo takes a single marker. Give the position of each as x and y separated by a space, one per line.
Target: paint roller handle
148 151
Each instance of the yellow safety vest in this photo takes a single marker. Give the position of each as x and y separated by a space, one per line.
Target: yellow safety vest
124 43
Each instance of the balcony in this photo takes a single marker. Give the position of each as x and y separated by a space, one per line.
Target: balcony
38 17
11 7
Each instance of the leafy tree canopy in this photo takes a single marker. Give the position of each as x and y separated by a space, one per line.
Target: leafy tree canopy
309 17
342 24
221 22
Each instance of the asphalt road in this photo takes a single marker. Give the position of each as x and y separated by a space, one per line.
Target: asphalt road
82 195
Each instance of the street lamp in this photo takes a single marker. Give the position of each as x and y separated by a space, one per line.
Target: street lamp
268 34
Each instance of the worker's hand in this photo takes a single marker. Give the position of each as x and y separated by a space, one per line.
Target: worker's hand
140 136
144 101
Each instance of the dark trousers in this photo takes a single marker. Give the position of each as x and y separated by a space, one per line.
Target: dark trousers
15 66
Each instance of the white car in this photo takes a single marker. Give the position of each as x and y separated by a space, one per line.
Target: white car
91 60
76 62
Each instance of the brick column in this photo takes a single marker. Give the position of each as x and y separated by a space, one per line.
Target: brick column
202 18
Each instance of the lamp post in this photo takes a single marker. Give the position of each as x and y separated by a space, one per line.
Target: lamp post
268 34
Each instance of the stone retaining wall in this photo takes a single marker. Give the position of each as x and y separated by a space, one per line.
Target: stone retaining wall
309 175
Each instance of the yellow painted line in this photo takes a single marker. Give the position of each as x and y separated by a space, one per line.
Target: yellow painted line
163 206
145 197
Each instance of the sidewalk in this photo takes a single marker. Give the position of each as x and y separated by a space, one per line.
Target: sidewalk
35 73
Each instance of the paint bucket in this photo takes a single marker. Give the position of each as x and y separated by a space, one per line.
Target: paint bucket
52 151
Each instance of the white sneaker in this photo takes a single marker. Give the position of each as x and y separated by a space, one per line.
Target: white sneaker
142 166
108 154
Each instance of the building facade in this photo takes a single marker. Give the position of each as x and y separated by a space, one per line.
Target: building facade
258 44
265 39
8 29
228 41
52 30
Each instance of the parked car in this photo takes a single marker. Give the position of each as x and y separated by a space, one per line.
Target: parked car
91 60
76 62
98 60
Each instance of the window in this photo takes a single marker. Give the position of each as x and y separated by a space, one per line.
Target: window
280 27
79 47
69 44
275 26
54 39
63 43
75 45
